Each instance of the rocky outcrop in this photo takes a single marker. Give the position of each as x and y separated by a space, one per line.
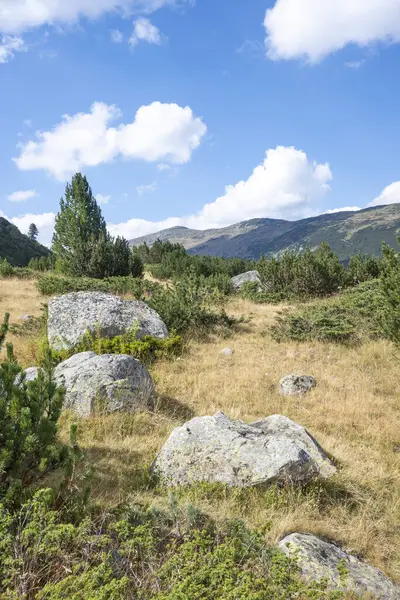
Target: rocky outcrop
250 277
106 383
319 560
73 315
221 450
296 385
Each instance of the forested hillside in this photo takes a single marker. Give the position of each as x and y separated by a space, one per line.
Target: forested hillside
17 248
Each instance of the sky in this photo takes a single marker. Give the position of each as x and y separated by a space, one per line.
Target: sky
200 113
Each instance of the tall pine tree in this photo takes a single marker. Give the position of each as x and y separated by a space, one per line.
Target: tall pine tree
78 228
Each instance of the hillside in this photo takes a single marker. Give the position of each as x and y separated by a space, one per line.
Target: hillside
346 232
17 248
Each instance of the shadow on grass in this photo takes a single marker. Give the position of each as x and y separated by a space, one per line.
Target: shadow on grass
173 409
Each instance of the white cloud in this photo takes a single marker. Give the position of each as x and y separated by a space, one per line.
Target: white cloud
312 29
343 209
285 185
9 45
164 167
354 64
102 200
145 189
390 195
166 132
117 36
17 16
22 196
145 31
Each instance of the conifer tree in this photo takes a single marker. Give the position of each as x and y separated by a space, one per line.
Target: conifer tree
33 232
78 228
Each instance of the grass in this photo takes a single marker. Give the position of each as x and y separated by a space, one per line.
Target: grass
353 412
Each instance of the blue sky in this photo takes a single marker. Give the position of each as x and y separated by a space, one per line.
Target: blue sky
198 113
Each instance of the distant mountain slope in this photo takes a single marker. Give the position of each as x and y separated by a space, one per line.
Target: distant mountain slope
17 248
346 232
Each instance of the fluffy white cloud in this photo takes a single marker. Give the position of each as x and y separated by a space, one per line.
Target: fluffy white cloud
312 29
144 31
17 16
102 200
22 196
343 209
390 195
166 132
146 189
9 45
286 185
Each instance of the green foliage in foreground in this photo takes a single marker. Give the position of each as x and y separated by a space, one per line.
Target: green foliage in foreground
147 349
390 289
29 413
49 552
351 316
187 307
52 284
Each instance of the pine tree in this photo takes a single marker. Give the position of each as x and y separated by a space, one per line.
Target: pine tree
78 228
33 232
121 257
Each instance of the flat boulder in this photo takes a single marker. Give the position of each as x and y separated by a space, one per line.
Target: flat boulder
72 315
221 450
250 277
106 383
319 559
296 385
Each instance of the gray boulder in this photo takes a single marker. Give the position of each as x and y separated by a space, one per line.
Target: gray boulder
72 315
344 572
250 277
296 385
106 383
31 373
220 450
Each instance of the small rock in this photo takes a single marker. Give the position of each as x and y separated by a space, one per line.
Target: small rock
227 352
221 450
318 559
250 277
296 385
108 383
25 317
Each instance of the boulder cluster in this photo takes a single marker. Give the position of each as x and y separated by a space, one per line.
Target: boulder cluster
212 449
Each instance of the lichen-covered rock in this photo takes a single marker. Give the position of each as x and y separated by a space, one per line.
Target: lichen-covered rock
296 385
280 426
250 277
318 559
221 450
72 315
106 383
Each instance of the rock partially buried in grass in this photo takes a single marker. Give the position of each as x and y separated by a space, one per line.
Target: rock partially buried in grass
221 450
296 385
250 277
106 383
318 559
72 315
227 352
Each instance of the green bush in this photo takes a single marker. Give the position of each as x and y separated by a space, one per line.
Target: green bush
147 349
29 412
186 307
390 290
136 553
51 284
6 270
353 315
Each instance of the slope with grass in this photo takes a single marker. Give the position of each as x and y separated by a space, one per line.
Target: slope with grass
17 248
353 412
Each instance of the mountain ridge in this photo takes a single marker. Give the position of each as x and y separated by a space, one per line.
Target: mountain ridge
347 232
16 247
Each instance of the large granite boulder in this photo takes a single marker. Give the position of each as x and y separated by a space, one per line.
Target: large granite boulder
250 277
106 383
220 450
296 385
72 315
344 572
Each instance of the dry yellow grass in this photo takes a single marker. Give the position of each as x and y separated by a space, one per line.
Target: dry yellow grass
354 412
